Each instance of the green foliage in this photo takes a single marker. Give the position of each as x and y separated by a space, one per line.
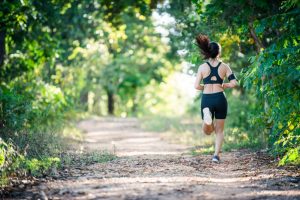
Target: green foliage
31 116
40 167
206 150
239 131
291 157
13 110
12 163
274 74
58 58
9 160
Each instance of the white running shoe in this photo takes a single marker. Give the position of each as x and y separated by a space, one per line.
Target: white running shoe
207 116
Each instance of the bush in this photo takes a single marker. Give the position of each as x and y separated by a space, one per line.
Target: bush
274 76
9 160
240 131
32 117
31 120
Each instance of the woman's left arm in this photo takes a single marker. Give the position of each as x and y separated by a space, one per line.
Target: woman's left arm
231 77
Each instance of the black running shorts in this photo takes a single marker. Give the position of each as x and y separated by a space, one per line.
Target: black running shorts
217 104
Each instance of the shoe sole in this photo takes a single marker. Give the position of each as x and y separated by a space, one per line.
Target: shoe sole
207 116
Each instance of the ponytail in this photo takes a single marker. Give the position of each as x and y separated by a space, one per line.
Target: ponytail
203 44
208 49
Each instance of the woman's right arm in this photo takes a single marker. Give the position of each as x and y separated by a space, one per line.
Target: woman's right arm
199 77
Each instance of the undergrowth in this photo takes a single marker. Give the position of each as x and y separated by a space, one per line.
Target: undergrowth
238 132
14 164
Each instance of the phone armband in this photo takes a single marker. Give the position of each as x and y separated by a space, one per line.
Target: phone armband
231 77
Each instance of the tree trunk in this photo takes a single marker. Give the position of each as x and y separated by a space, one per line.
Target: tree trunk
84 99
258 43
110 102
134 107
2 46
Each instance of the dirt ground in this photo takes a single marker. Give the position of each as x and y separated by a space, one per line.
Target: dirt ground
148 167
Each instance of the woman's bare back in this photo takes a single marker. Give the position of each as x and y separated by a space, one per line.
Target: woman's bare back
205 72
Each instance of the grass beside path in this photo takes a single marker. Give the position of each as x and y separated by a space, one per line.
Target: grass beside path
16 166
187 130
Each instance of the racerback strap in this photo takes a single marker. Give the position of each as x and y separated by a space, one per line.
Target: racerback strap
213 73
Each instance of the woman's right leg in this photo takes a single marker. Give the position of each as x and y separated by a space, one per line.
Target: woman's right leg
207 115
208 129
219 135
220 114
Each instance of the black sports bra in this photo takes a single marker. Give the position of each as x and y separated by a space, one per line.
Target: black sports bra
213 73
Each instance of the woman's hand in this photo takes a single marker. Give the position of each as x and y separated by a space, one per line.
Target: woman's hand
199 87
231 84
224 86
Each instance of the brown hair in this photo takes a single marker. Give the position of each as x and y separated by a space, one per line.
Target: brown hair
208 49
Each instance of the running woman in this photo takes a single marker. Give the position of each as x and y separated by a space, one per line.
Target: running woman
213 102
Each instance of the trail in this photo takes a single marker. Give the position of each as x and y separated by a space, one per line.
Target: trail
148 167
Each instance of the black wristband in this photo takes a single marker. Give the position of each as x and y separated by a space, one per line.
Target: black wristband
231 77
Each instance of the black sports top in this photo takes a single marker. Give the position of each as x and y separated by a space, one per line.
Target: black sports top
213 73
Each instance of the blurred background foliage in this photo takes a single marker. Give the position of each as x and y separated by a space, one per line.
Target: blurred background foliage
59 59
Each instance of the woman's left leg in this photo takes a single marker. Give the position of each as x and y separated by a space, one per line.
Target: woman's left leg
219 130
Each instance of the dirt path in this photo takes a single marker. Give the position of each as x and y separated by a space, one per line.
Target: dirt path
150 168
